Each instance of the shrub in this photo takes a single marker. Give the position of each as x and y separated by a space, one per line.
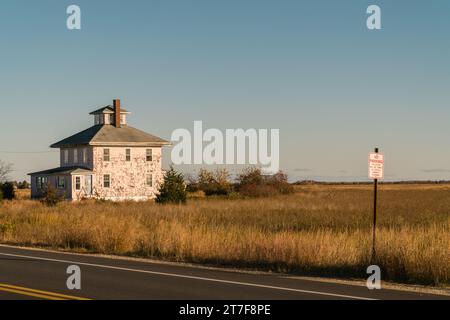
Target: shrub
256 191
173 189
8 191
250 176
279 182
192 184
1 195
252 183
214 183
50 196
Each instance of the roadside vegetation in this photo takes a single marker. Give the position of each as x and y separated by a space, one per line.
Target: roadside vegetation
250 183
312 230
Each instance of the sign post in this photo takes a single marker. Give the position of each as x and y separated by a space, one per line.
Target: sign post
376 171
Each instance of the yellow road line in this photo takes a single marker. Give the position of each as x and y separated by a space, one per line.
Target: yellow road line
37 293
29 294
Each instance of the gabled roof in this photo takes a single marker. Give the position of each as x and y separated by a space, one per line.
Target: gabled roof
63 170
108 135
107 109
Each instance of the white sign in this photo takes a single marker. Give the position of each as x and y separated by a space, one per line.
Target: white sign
376 165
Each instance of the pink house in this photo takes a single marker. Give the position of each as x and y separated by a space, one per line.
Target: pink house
110 160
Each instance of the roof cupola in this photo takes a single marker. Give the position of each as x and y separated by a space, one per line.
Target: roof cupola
111 115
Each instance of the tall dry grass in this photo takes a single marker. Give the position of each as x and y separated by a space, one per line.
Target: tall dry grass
319 230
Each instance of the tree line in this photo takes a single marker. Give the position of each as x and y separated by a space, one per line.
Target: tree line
251 182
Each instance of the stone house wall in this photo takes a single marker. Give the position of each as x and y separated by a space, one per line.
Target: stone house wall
127 178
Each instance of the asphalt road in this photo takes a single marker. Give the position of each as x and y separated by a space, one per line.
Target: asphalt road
31 274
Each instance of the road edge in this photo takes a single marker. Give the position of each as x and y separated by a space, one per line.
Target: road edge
355 282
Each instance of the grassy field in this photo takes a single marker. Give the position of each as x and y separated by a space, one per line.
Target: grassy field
319 230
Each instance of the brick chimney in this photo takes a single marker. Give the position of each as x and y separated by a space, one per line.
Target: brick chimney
117 113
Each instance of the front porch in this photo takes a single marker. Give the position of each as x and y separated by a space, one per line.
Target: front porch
74 183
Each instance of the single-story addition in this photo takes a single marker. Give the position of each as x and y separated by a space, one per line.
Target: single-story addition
110 160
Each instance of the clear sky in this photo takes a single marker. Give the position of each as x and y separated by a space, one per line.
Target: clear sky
309 68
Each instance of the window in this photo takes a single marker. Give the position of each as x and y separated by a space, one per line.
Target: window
123 119
149 180
66 156
128 155
97 119
75 155
105 154
41 182
85 155
61 182
107 181
149 155
77 183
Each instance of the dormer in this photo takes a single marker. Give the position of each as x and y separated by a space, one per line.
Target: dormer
111 115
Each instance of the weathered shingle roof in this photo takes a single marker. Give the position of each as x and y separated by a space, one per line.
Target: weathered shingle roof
63 170
107 109
109 135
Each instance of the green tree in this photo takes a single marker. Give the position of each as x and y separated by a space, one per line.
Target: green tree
173 189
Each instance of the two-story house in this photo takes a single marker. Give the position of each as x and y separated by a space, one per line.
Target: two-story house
110 160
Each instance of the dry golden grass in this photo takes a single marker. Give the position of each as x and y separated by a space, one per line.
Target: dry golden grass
23 194
319 230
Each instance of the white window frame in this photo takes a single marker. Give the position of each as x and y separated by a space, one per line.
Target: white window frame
85 155
106 155
66 156
41 182
147 155
109 181
149 175
58 182
77 183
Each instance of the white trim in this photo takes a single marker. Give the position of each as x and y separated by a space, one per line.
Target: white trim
103 180
75 183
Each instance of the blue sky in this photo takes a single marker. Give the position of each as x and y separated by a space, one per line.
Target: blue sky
309 68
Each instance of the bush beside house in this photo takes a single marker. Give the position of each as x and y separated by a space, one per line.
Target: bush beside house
8 191
173 189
